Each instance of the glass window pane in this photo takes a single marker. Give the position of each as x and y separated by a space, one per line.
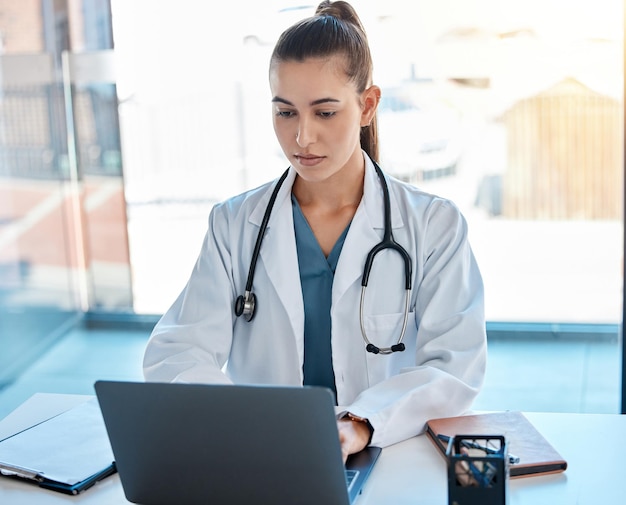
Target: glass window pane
63 229
39 271
511 109
513 112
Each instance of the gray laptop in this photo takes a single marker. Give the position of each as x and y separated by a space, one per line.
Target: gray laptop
203 444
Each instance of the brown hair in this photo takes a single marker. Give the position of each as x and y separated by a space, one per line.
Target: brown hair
334 30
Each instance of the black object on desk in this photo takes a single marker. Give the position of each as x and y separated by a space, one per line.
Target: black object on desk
478 470
62 487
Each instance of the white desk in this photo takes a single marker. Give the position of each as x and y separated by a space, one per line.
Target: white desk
413 472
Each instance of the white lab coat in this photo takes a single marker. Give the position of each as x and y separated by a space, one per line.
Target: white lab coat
199 339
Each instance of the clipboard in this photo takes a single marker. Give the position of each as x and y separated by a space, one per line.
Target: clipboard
534 455
68 452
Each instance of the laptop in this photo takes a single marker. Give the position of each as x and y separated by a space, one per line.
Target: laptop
197 444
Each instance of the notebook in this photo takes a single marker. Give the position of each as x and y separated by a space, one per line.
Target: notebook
195 444
529 452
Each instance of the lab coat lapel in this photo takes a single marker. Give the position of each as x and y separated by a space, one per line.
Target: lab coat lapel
366 230
278 255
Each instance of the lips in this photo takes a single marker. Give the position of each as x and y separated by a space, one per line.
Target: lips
309 160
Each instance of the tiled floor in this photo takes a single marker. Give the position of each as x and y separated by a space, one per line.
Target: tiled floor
558 376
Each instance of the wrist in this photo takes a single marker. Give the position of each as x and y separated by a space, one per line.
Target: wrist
364 421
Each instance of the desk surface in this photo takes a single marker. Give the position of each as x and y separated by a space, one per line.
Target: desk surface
413 472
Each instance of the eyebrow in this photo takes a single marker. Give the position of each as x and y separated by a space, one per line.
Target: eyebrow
314 102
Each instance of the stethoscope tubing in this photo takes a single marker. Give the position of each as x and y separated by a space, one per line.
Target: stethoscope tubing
399 346
259 239
246 304
387 242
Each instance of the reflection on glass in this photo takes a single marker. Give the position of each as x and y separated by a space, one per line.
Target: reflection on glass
62 210
38 262
99 177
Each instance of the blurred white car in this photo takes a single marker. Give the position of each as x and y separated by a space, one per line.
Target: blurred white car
417 141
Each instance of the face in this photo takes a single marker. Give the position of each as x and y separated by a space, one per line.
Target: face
318 114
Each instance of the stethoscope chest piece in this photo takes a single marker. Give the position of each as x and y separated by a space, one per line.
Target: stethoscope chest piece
245 305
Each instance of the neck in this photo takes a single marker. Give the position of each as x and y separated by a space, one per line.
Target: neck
344 188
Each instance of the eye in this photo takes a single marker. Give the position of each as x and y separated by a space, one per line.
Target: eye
327 114
285 113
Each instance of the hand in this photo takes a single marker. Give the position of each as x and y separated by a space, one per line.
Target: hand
353 436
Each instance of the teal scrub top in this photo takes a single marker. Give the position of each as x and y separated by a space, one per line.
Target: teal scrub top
316 277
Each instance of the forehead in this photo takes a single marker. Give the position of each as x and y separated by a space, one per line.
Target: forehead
311 77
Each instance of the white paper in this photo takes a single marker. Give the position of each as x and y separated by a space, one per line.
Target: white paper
68 448
38 408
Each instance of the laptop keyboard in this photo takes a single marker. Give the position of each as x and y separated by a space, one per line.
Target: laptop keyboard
351 476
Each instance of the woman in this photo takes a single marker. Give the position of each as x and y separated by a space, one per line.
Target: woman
327 214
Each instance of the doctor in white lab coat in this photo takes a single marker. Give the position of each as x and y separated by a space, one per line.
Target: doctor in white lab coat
438 374
200 339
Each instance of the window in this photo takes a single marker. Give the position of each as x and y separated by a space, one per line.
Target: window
512 110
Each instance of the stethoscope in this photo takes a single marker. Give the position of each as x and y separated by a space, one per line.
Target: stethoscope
246 304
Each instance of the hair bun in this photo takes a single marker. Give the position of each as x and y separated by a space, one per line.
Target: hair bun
339 10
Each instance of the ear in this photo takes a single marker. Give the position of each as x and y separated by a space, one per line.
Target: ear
370 99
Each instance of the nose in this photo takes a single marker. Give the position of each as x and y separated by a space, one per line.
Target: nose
305 134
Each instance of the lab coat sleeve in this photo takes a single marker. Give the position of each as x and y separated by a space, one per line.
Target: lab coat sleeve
450 353
192 340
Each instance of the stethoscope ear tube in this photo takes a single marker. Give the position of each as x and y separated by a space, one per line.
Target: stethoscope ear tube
399 346
386 243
